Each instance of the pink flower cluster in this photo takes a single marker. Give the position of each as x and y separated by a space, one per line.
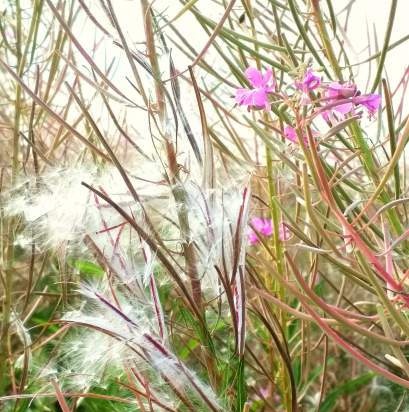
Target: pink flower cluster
342 99
337 100
264 228
262 85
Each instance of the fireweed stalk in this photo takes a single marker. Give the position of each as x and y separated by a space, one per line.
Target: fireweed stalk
339 100
262 86
278 229
61 215
335 102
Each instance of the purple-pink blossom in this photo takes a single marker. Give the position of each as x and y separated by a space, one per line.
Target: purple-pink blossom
310 82
370 101
349 97
336 90
291 135
262 85
264 228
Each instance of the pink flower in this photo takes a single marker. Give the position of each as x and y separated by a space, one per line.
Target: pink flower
252 237
291 134
310 82
262 85
264 227
338 111
370 101
336 91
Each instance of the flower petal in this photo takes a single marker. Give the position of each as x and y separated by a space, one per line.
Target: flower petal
343 108
268 80
262 225
336 90
290 134
257 223
370 101
242 95
254 97
254 76
311 81
259 97
252 237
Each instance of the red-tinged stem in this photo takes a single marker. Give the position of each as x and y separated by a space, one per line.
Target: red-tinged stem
334 335
350 230
60 397
354 352
328 308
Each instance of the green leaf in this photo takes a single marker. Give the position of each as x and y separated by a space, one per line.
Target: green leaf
241 387
349 387
88 268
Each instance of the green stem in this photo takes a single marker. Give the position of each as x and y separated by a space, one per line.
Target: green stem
275 213
322 30
303 33
385 47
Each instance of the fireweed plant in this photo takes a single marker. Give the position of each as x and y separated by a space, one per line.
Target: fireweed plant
210 222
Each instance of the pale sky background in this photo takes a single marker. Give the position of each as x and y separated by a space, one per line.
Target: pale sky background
366 15
374 15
